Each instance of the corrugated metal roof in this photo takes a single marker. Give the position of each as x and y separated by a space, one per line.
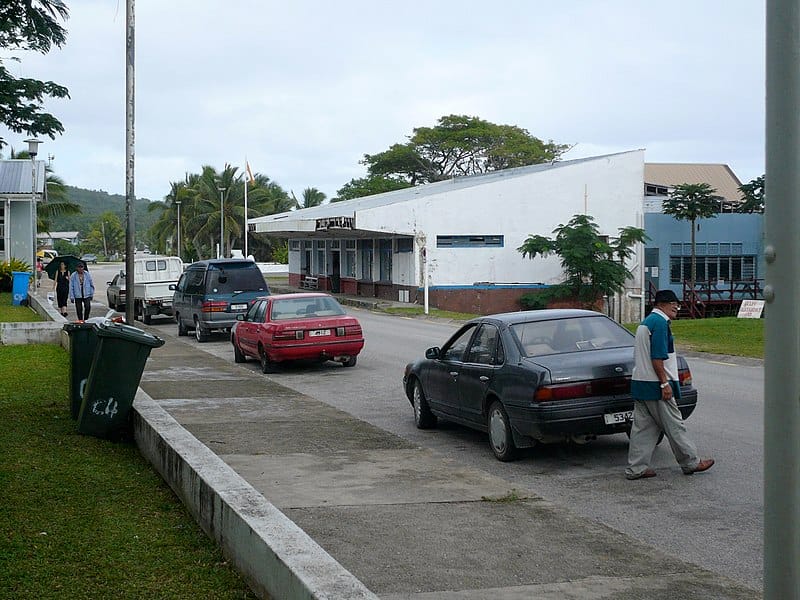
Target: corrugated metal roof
718 176
350 207
15 176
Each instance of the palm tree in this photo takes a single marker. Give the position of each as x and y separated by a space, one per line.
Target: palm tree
311 197
689 202
56 200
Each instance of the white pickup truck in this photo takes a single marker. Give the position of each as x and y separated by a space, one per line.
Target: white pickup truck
152 277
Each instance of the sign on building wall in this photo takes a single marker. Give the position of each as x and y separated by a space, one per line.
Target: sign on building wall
751 309
335 223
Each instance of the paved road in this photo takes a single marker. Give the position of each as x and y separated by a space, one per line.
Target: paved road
713 520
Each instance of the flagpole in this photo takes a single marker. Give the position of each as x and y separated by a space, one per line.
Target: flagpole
246 185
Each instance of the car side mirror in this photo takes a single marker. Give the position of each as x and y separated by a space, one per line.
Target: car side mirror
433 353
108 283
240 317
172 287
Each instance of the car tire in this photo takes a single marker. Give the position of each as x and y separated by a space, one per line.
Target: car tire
143 316
423 417
238 356
501 440
351 361
267 366
200 333
182 331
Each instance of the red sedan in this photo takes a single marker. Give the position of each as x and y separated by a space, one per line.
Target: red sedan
296 326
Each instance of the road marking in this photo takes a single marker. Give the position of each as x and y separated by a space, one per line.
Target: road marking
719 362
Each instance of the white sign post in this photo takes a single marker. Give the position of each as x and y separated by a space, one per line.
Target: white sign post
751 309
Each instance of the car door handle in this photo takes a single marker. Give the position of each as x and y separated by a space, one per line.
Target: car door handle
454 373
483 378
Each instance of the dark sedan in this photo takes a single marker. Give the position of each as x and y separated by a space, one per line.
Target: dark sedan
533 376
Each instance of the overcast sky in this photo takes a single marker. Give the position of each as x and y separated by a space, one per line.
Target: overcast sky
305 88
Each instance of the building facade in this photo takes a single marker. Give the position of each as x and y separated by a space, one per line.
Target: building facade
21 181
455 242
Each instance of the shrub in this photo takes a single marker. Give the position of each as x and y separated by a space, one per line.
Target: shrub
6 270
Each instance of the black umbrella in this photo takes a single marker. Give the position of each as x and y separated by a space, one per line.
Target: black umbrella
68 259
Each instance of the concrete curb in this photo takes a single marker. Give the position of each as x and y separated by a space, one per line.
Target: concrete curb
274 555
41 332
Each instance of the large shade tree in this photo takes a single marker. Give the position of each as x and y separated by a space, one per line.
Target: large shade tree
594 265
29 25
690 202
456 146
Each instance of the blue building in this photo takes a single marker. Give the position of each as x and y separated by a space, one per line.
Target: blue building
729 247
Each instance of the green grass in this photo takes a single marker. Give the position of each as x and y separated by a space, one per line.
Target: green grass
725 335
419 311
12 314
81 517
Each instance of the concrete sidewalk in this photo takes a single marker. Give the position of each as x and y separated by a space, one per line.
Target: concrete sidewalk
309 502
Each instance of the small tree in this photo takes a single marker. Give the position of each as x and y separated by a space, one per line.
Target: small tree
593 264
689 202
752 196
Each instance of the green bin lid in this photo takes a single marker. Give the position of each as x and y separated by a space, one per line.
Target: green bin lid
128 332
70 327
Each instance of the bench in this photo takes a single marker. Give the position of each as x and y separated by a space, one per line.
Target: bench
309 283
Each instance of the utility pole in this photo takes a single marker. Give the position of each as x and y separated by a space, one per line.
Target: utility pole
130 230
781 292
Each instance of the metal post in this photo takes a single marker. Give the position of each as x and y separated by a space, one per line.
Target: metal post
782 290
246 184
33 150
221 251
130 231
178 204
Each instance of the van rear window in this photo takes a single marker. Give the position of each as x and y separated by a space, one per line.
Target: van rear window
235 278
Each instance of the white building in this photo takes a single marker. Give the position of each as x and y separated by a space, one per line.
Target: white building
457 240
20 181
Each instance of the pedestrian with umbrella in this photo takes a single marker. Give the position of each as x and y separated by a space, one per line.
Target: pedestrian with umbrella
61 287
81 291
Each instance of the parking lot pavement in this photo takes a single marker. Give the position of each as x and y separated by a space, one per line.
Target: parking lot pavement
405 521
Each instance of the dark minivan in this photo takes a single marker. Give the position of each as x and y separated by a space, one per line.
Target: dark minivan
210 293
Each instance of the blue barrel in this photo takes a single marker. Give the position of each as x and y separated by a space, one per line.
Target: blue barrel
19 287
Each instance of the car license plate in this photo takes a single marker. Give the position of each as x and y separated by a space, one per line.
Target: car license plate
318 332
618 417
238 306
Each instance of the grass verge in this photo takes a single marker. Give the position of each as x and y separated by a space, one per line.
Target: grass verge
12 314
725 335
86 518
419 311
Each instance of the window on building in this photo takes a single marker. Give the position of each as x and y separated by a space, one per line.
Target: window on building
469 241
350 262
2 228
294 245
713 268
405 245
385 259
365 256
320 248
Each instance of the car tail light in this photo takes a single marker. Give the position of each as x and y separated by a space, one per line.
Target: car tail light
288 334
685 376
214 306
348 330
583 389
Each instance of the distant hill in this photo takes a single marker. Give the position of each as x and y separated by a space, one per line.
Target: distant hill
94 203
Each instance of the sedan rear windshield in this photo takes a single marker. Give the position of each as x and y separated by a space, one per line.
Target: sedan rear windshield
577 334
298 308
235 278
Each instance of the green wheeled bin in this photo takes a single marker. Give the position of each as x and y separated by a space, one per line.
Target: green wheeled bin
117 367
82 344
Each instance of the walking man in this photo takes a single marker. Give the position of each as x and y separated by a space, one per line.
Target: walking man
81 291
654 387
